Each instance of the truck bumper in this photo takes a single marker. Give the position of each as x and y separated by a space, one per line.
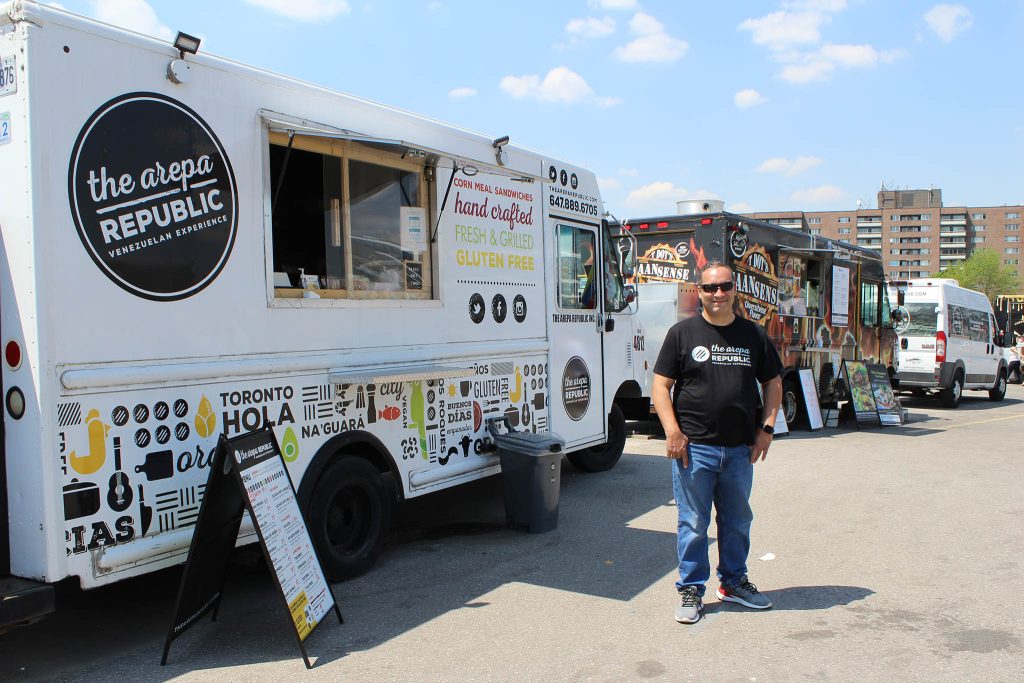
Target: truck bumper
23 601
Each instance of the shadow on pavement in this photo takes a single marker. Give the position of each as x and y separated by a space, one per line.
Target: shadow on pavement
802 598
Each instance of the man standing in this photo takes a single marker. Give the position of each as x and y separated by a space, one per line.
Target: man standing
714 434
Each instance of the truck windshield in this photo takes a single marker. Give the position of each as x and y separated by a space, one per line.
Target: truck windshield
923 319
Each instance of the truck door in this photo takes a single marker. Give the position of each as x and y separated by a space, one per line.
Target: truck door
576 331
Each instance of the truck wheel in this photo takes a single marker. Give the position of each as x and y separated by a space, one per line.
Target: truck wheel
951 397
791 396
603 457
998 392
349 513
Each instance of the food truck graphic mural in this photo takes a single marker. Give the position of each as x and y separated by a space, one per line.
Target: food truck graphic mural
819 300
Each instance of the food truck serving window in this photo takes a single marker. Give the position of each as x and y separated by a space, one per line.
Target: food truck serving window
349 219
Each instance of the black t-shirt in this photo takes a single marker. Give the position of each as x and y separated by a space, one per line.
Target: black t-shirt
716 369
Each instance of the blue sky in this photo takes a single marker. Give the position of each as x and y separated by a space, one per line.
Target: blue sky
770 106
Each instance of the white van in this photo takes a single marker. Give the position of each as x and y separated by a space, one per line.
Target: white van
948 342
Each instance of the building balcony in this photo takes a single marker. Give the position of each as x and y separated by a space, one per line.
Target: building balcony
953 220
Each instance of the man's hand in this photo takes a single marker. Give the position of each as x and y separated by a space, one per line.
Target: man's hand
761 443
676 447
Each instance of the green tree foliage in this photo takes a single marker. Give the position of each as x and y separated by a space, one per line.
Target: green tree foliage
984 272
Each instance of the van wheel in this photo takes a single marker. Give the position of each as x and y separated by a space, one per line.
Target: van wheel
791 396
951 397
349 513
999 391
603 457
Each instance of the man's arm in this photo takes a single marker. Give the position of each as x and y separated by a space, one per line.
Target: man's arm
772 400
675 440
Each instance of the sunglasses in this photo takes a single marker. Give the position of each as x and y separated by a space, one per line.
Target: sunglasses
714 286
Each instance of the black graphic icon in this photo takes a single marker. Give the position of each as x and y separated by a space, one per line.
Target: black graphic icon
142 438
81 499
526 414
738 244
519 308
464 387
141 413
69 414
563 178
119 492
477 308
181 431
119 416
371 406
431 413
499 308
163 434
161 411
139 133
360 398
574 181
431 396
552 174
159 465
180 407
145 512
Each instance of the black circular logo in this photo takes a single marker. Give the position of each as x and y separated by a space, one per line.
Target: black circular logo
153 196
519 308
163 434
738 244
161 411
477 308
576 388
552 174
574 181
499 308
181 431
141 413
682 250
563 177
180 407
119 416
142 438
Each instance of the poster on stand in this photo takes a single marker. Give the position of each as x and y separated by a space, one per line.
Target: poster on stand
857 379
840 296
810 392
885 400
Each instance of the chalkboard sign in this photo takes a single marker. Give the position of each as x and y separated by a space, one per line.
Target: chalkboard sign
248 472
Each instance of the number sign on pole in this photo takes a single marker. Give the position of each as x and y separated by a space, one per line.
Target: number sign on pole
249 473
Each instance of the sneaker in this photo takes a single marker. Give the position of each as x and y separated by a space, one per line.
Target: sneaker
689 611
745 593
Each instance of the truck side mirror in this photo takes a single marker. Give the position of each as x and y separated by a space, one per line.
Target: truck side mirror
629 293
898 315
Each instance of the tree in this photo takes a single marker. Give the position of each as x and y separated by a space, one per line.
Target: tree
984 272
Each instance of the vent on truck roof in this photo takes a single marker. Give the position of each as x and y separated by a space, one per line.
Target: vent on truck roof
690 206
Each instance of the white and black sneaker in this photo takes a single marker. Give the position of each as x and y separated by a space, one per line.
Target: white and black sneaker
745 593
689 610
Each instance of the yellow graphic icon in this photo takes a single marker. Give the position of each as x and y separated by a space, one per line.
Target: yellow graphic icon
517 393
290 446
206 419
97 455
451 389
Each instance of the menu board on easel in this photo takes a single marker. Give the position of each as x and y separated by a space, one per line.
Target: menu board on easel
887 404
810 392
857 379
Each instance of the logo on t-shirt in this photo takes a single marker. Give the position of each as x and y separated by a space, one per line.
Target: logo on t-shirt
700 354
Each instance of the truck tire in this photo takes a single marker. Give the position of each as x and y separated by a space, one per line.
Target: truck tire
998 392
603 457
791 407
349 513
951 397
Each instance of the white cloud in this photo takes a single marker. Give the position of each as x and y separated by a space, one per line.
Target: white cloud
652 44
948 21
612 4
561 84
852 56
610 101
305 10
461 93
780 30
591 27
661 197
788 166
741 207
811 70
745 99
819 195
136 15
607 184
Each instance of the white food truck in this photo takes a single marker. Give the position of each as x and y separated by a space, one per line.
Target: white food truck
194 247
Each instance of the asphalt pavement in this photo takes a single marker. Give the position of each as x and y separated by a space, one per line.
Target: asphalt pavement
890 554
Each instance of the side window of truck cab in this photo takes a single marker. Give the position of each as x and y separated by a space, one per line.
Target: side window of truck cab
349 219
578 269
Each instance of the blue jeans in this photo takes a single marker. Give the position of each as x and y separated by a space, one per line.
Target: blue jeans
721 475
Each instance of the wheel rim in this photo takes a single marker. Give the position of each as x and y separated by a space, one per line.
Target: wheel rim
347 524
957 389
1002 384
789 406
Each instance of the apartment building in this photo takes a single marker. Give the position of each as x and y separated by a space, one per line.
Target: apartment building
916 235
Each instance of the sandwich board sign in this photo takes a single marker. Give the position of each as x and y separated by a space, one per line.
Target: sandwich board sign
248 473
885 400
863 399
810 392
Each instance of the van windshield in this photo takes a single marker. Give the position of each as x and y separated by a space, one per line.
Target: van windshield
923 322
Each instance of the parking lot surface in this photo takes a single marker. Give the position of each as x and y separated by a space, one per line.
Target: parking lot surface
890 554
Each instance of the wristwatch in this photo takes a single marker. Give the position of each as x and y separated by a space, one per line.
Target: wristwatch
768 429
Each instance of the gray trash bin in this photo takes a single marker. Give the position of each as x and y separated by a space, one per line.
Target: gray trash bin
531 471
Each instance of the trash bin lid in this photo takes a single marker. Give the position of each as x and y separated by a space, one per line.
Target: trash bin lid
528 443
